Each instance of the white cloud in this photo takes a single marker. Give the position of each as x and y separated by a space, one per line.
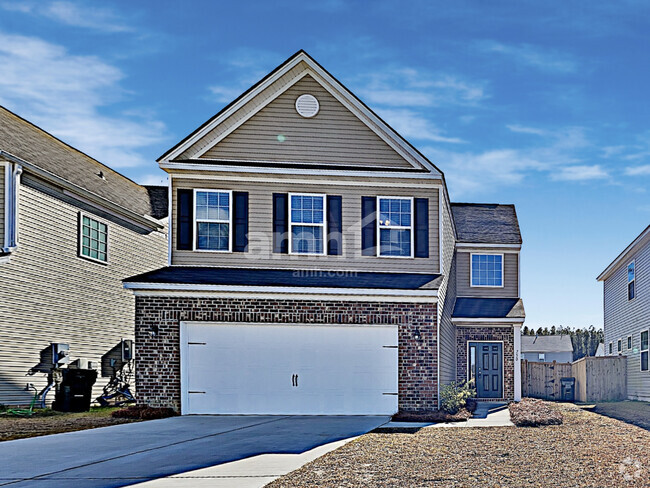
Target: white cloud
225 94
154 179
73 14
580 172
526 130
533 56
65 94
638 170
410 125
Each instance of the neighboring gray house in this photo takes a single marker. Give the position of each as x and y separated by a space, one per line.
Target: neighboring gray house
626 288
315 264
70 230
547 349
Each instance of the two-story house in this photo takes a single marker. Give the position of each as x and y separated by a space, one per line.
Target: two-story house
71 229
315 262
627 313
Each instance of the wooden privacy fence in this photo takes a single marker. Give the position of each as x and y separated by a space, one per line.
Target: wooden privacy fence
597 379
542 380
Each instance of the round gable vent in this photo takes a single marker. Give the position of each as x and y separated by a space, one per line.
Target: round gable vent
307 105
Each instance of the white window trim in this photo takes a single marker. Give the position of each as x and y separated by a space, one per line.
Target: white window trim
641 351
195 221
323 225
629 343
541 356
619 346
396 227
80 238
471 264
633 280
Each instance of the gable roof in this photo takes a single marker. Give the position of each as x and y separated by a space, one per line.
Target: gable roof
486 223
642 239
329 82
31 144
550 343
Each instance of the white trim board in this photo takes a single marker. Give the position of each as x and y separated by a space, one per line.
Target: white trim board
480 322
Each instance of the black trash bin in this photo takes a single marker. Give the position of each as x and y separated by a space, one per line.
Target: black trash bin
75 390
568 389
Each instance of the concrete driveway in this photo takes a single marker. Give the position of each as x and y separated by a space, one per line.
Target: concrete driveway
134 453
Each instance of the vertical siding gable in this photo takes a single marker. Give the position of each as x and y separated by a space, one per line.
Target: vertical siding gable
334 136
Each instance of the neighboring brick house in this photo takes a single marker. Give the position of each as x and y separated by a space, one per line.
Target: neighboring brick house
315 263
626 302
71 229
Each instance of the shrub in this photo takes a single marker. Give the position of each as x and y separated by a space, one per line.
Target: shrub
454 396
143 412
531 412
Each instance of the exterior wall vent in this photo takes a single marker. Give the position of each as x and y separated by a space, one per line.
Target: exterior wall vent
307 105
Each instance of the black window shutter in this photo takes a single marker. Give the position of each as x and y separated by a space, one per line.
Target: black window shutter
334 225
184 217
421 227
281 223
240 218
369 226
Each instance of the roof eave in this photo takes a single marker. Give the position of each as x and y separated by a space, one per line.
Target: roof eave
636 243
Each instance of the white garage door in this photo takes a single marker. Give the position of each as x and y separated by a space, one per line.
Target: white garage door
288 369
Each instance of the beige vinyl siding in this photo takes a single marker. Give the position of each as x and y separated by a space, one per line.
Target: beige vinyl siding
625 318
334 136
260 209
49 294
2 204
447 299
510 287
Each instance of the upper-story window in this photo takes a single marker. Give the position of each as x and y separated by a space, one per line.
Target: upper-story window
395 227
644 350
93 237
487 270
307 218
213 220
631 280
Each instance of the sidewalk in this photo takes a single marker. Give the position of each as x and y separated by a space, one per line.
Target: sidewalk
486 415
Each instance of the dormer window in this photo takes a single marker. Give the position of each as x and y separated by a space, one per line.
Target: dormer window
631 281
487 270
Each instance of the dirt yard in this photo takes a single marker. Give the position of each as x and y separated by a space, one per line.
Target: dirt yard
636 413
587 450
50 422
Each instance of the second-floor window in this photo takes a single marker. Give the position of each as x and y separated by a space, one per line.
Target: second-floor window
487 270
213 219
307 219
395 227
631 280
94 239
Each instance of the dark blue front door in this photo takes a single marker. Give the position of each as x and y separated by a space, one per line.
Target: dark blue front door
486 367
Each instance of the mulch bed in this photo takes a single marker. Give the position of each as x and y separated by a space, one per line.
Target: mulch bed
434 416
531 412
587 450
143 412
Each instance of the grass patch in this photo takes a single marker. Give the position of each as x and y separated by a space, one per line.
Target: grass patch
531 412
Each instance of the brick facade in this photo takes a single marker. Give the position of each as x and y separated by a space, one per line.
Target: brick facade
158 356
505 334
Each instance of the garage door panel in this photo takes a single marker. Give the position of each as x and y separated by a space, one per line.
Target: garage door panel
250 369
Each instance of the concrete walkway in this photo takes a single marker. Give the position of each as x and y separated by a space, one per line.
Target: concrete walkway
252 450
486 415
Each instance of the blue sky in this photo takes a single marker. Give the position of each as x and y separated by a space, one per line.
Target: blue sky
541 104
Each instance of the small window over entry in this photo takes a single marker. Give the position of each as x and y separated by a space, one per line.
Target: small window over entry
487 270
631 280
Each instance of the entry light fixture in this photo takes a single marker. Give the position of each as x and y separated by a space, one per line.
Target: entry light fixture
416 334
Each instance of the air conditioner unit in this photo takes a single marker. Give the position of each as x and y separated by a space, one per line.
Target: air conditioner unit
60 354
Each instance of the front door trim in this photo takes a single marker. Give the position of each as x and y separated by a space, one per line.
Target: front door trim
503 371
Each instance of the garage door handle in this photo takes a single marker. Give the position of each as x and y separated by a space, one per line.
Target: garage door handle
294 380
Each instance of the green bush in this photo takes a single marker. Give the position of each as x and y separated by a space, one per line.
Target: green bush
454 396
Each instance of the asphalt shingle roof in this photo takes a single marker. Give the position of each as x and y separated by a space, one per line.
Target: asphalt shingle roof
486 223
26 141
551 343
294 278
489 308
